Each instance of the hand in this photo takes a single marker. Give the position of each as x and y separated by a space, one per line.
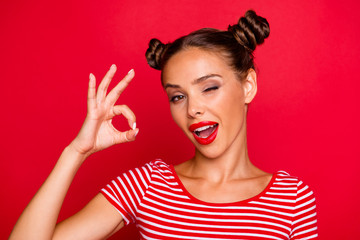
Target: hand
97 131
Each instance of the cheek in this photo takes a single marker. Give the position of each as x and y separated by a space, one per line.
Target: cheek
237 113
176 114
231 108
229 103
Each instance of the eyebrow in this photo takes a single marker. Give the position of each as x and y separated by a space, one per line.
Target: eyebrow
196 81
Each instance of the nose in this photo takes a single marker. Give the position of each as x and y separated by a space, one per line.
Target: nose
195 108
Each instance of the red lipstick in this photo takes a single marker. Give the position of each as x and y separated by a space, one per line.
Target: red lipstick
204 132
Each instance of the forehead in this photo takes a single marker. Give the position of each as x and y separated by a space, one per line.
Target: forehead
193 63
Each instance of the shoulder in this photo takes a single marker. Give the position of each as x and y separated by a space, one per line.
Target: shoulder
153 168
159 164
146 171
283 176
302 191
302 199
142 176
160 169
150 167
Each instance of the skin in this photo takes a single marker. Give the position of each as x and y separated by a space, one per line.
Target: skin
218 172
202 87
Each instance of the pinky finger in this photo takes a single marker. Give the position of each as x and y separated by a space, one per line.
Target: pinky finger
91 101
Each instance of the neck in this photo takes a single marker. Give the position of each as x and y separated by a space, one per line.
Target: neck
234 163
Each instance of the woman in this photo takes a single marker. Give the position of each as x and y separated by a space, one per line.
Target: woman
210 80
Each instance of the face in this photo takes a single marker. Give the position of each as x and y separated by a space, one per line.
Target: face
207 100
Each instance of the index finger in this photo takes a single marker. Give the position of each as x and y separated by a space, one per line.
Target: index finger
120 87
104 84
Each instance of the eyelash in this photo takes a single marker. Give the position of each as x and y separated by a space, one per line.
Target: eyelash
176 98
211 89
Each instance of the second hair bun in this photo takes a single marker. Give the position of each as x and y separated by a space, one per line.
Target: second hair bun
251 30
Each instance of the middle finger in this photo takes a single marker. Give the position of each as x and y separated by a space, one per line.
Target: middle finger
102 89
120 87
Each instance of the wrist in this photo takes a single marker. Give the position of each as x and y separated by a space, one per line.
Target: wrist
72 149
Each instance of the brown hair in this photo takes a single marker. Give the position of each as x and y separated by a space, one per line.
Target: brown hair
236 45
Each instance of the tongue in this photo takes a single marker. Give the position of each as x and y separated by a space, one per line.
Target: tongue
205 133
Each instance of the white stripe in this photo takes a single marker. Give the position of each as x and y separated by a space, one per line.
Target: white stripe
165 181
147 172
186 223
285 183
109 186
167 171
202 238
304 204
166 186
168 193
133 190
273 205
162 175
142 178
128 194
213 219
147 238
286 179
305 231
304 225
137 184
283 172
304 218
214 232
304 211
212 212
304 196
282 194
283 188
302 189
278 199
311 237
124 199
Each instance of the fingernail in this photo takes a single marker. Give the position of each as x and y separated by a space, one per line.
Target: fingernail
113 66
131 71
91 76
136 133
134 126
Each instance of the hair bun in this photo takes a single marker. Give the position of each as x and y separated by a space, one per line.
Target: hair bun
251 30
154 53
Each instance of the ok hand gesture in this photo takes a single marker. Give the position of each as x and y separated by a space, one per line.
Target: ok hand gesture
97 131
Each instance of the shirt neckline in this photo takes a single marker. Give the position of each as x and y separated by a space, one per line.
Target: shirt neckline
241 202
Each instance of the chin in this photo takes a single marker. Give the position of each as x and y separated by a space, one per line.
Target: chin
208 151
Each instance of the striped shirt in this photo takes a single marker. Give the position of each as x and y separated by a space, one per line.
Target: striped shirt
154 198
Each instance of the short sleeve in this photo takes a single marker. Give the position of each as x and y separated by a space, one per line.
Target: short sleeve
125 192
304 224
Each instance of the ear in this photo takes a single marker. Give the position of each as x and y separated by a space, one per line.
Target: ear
250 86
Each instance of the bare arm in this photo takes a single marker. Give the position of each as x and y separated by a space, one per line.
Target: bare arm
98 219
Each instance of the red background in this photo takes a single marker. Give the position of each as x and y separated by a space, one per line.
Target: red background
304 119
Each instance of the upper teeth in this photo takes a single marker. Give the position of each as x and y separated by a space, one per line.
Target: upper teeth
203 128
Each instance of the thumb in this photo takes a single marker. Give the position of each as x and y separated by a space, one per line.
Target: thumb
128 136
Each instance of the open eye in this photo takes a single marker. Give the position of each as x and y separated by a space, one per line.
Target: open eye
211 89
176 98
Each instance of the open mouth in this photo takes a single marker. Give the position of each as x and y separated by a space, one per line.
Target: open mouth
204 132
